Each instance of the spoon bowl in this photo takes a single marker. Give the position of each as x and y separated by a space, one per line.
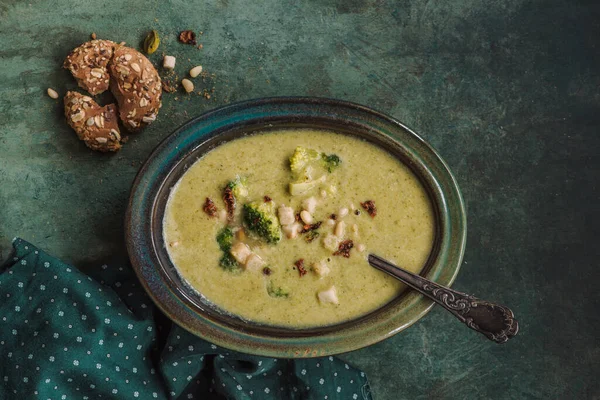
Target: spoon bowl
495 321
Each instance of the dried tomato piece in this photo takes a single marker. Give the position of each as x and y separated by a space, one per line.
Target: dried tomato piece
311 227
300 265
267 199
187 37
344 248
266 271
229 200
369 206
209 207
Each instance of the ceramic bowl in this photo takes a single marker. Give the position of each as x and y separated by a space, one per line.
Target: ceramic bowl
182 148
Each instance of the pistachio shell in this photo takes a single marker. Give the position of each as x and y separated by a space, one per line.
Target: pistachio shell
151 42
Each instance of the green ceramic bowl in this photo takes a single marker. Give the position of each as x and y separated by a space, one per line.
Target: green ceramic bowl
176 153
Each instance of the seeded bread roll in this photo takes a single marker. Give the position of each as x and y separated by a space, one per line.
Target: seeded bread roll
88 64
97 126
136 86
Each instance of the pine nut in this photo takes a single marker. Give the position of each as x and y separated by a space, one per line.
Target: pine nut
52 93
187 85
194 72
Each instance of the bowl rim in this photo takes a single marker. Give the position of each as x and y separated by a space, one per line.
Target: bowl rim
440 182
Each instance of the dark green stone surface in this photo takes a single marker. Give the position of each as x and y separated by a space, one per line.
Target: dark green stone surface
507 91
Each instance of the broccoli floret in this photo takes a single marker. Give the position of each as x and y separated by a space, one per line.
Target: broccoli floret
225 239
332 161
302 157
238 187
229 263
261 218
277 291
306 165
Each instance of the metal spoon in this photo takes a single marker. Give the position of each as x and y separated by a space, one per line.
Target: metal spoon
495 321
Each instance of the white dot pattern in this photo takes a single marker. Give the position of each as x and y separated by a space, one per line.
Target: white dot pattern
73 337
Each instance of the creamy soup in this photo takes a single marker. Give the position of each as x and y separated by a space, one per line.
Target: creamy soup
276 227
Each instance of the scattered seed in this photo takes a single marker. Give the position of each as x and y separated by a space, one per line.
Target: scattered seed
194 72
340 228
123 70
99 120
101 140
149 118
187 85
78 117
52 93
90 121
97 72
136 67
306 217
93 35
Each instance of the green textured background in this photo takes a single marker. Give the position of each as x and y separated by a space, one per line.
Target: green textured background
508 91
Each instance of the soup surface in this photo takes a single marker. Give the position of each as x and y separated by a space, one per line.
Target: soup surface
368 202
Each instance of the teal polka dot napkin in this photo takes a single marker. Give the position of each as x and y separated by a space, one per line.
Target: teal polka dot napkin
66 335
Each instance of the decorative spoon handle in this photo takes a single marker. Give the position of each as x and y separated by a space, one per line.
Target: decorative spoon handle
495 321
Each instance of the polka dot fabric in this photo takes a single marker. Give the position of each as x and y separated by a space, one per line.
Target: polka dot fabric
67 335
